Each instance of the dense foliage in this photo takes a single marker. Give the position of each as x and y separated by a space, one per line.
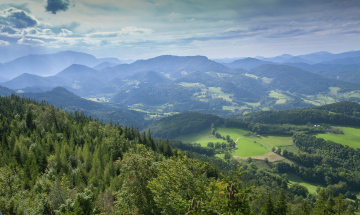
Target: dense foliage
54 162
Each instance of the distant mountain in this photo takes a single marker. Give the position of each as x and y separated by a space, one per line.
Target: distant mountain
5 91
172 66
60 97
77 72
344 61
296 80
297 59
278 59
240 94
247 63
149 78
104 65
317 57
111 60
155 95
326 67
46 64
34 81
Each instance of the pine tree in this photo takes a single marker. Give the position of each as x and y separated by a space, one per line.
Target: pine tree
281 205
269 206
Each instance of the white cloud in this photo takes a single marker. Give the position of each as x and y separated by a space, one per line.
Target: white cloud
4 43
132 30
65 33
30 42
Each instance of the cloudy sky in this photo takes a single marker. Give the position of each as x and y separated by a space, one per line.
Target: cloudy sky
139 29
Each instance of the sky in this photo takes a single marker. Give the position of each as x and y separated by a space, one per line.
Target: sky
141 29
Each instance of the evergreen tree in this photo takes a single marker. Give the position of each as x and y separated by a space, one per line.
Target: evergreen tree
281 204
269 206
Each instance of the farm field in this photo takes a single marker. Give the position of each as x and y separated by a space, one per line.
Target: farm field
247 146
310 186
202 137
351 137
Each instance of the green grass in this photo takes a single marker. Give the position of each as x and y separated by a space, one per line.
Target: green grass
351 137
251 76
281 97
248 148
266 80
217 93
234 133
273 141
296 179
334 89
186 84
202 137
257 104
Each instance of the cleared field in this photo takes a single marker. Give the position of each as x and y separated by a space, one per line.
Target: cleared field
281 97
271 156
217 93
274 140
251 76
310 186
234 133
202 137
334 89
248 148
351 137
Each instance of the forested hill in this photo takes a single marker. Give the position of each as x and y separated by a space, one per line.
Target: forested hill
345 107
181 124
54 162
342 113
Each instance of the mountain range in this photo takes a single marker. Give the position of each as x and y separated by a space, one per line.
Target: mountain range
171 84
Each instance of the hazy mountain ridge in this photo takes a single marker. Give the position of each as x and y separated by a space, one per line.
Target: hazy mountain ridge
47 64
167 84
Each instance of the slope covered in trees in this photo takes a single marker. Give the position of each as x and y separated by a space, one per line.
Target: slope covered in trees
53 162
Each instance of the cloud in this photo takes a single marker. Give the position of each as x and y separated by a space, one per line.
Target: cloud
30 42
55 6
65 33
7 29
4 43
17 18
132 30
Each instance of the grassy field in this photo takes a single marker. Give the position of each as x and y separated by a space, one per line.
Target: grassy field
247 146
351 137
334 89
310 186
202 137
281 97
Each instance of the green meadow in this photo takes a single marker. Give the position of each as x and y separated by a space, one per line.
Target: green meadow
351 137
310 186
247 146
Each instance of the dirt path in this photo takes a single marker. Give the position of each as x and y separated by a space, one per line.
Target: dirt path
237 139
271 156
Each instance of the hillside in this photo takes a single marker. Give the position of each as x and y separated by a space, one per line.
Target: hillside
64 99
341 113
296 80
